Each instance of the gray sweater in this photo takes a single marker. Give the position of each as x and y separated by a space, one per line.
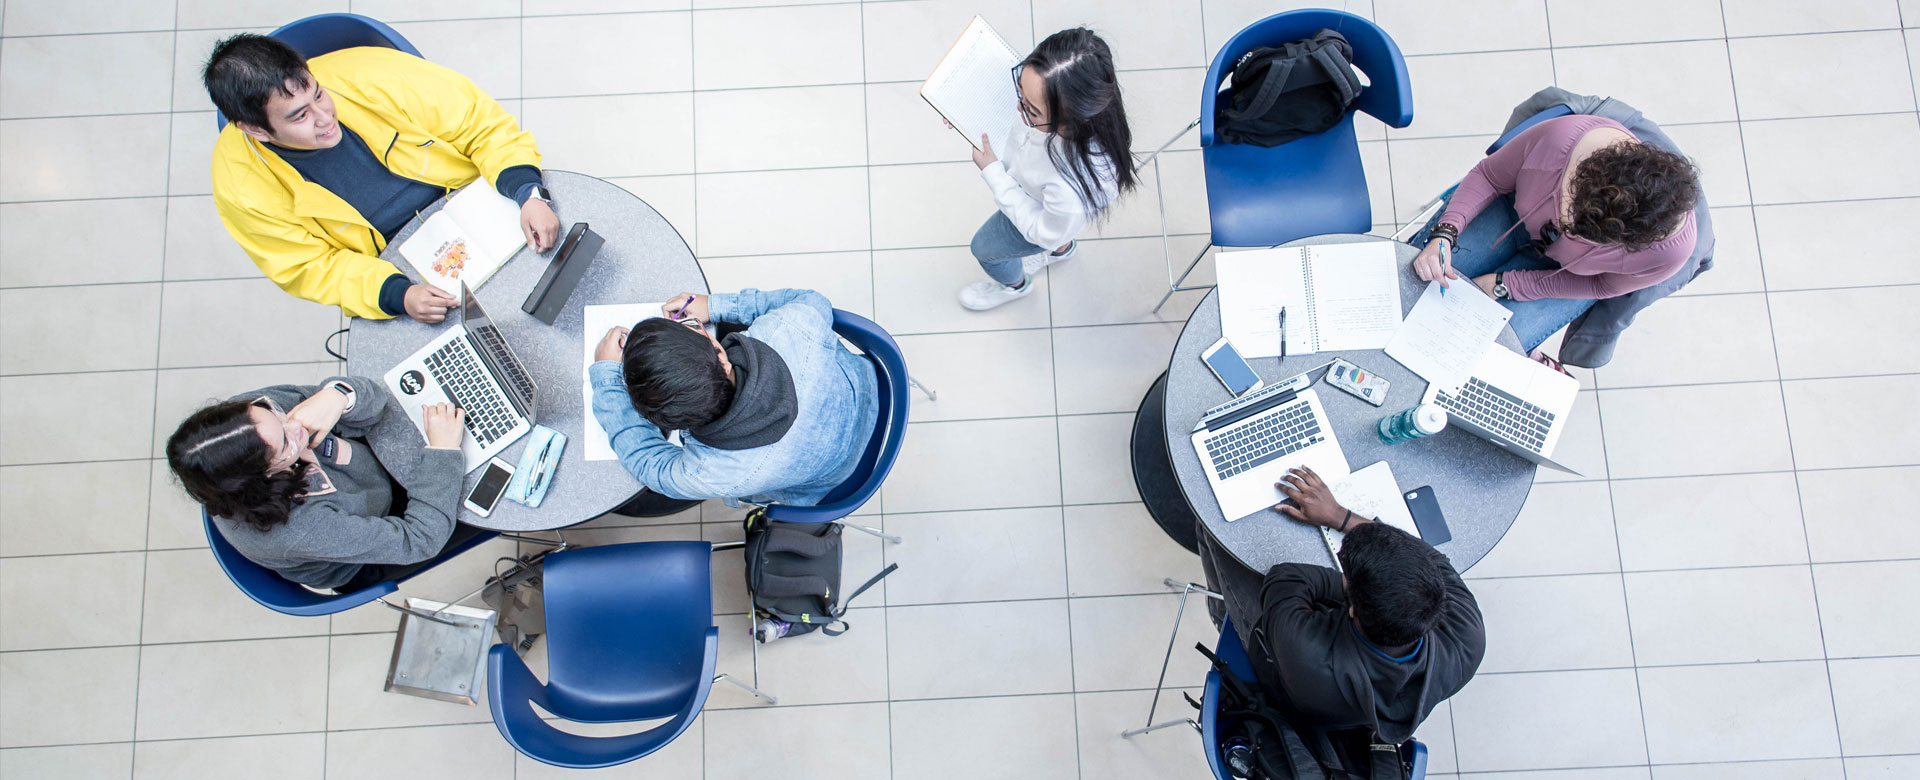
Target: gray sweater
329 535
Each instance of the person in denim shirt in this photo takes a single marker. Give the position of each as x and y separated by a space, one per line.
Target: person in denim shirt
777 413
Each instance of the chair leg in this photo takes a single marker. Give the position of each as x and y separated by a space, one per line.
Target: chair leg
1186 589
1407 231
1176 284
868 529
931 395
748 688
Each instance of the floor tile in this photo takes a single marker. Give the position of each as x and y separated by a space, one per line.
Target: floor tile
1582 445
61 418
1470 94
1700 522
487 51
979 464
220 689
289 756
1663 346
1161 104
845 278
1853 422
83 157
988 374
190 599
1736 256
1847 518
1224 18
656 133
198 246
64 697
681 759
1117 549
905 40
213 13
1426 167
813 742
776 47
1170 752
1754 614
191 338
811 668
1845 73
1818 331
1813 769
99 74
915 291
939 204
1108 369
819 127
192 48
105 327
1583 24
1095 459
391 11
1856 615
1801 240
994 649
1539 624
1837 158
51 510
102 761
1720 154
189 151
1114 281
1562 529
1872 722
556 7
1177 185
1547 720
1784 17
1022 737
1120 641
128 253
1423 28
902 127
356 674
783 211
182 391
51 17
1738 712
995 555
1604 773
1672 83
606 55
65 601
671 197
1153 34
1677 431
471 752
1882 767
1436 732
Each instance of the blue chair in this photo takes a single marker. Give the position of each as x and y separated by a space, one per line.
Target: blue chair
630 637
1266 196
277 593
317 35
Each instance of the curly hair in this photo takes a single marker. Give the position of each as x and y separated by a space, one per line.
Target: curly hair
1632 194
221 461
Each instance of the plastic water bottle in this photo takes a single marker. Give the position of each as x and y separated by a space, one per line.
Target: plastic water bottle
770 629
1239 753
1419 422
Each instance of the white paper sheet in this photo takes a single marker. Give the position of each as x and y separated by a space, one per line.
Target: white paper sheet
973 86
599 319
1445 336
1370 492
1337 296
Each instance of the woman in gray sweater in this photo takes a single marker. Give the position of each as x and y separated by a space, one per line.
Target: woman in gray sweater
287 487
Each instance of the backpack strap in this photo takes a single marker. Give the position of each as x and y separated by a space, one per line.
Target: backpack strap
1384 760
842 608
1276 70
1334 55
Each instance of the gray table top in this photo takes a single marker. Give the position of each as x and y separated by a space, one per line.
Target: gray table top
644 259
1480 487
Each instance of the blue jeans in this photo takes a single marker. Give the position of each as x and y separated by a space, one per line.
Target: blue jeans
999 247
1533 321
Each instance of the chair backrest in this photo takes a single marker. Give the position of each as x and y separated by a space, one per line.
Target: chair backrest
621 620
278 593
889 425
1551 112
1388 96
317 35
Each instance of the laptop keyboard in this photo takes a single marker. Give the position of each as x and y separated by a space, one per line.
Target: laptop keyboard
470 387
1493 409
503 357
1283 431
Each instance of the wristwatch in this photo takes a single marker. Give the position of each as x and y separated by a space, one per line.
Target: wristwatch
540 193
1500 284
346 390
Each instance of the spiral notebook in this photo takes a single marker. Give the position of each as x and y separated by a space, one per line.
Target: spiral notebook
1337 297
973 85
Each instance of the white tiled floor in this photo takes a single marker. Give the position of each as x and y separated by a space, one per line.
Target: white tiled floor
1728 594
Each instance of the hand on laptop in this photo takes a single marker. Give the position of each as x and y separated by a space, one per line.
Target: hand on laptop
541 225
1312 501
612 346
445 424
429 304
684 305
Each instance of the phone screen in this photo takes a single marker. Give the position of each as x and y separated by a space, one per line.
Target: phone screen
1231 368
492 483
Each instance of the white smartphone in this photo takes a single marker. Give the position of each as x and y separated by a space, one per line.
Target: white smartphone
491 486
1231 369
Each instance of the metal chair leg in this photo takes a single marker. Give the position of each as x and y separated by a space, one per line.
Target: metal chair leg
871 530
1186 589
1407 231
1174 284
931 395
748 688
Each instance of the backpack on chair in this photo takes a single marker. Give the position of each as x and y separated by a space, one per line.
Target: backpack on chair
1280 94
793 573
1269 747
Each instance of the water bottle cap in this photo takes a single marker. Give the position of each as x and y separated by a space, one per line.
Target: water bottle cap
1430 419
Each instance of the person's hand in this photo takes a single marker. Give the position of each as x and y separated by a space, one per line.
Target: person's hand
686 305
983 156
445 424
539 223
612 346
1435 262
1485 281
1313 502
317 415
429 304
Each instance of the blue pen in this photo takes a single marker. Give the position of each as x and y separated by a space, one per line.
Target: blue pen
1446 262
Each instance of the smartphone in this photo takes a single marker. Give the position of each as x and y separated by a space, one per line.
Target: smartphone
1425 509
1231 369
491 486
1358 382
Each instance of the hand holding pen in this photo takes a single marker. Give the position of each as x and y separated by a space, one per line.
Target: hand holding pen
685 306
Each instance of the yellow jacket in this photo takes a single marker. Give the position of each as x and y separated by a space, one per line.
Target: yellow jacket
427 122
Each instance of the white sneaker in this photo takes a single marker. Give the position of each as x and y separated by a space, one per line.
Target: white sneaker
981 296
1033 263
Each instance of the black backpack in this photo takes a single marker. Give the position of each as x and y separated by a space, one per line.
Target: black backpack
1280 94
1265 746
793 572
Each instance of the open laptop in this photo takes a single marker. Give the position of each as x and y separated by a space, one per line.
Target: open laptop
471 366
1248 443
1516 403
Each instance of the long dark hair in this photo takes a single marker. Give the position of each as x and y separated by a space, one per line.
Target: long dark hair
1633 194
221 461
1083 102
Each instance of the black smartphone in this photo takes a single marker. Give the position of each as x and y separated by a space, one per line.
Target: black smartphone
1425 509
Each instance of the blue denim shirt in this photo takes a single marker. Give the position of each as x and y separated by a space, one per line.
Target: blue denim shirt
837 409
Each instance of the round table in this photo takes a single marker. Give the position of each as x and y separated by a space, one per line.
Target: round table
644 259
1479 486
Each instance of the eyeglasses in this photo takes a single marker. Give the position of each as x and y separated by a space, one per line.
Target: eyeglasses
1027 111
693 325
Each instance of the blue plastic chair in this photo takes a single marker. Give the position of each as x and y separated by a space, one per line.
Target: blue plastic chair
630 637
317 35
1267 196
281 595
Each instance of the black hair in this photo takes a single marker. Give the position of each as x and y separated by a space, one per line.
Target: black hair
247 69
220 460
1631 193
673 376
1395 583
1083 103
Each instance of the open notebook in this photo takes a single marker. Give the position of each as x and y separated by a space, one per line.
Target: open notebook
467 241
1370 492
973 85
1337 296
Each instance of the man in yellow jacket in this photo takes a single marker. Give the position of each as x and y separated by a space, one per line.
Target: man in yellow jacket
324 160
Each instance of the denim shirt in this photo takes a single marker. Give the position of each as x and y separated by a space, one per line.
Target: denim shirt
837 407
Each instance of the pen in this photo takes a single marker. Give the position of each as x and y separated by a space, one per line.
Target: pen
1283 333
1446 262
540 477
682 313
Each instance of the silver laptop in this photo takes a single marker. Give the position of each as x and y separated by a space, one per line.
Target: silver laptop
1516 403
1248 443
471 366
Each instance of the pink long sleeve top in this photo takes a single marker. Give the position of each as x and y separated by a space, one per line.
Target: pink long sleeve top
1532 167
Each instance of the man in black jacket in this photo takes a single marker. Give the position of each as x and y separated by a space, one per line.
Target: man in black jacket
1377 648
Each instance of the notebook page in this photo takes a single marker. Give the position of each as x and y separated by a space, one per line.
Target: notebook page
1370 492
1356 295
1445 335
1254 285
466 241
973 85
